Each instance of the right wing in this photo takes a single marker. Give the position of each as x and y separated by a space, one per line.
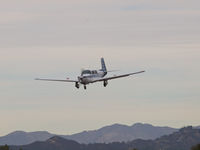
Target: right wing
119 76
67 80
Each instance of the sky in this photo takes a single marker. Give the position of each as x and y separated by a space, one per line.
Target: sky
58 38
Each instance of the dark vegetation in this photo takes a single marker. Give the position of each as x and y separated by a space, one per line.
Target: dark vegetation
197 147
5 147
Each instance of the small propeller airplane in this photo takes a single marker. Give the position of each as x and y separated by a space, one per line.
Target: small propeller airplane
92 76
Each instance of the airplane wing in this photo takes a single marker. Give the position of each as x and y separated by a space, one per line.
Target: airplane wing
119 76
67 80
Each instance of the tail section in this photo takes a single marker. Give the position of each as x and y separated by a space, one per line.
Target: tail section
103 66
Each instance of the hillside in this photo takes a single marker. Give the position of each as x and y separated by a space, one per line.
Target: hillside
183 139
22 138
120 133
107 134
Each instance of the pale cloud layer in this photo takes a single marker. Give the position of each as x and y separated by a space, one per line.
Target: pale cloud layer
64 23
56 38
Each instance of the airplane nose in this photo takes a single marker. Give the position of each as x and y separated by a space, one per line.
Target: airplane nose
80 78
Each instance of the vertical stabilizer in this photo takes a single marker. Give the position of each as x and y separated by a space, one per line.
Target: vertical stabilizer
103 65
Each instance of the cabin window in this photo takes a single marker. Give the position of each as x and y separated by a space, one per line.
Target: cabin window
86 72
94 72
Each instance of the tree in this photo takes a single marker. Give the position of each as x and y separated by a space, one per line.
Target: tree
6 147
197 147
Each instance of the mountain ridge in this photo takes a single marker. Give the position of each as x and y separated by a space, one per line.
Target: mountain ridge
111 133
22 137
121 133
182 139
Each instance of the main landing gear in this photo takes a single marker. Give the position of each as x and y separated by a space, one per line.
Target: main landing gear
77 85
105 83
85 87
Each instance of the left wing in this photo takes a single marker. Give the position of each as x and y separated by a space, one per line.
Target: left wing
119 76
67 80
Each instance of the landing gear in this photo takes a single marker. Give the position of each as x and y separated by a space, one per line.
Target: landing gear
105 83
85 87
77 85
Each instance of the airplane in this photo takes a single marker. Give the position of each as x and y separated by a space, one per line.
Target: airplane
92 76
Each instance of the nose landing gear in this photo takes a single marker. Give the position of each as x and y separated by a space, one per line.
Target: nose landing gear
77 85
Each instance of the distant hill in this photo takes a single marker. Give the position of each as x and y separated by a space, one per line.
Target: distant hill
120 133
54 143
184 139
22 138
197 127
107 134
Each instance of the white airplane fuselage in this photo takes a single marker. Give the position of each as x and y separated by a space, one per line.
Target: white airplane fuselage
90 76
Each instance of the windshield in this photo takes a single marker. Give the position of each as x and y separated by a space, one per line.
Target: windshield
86 72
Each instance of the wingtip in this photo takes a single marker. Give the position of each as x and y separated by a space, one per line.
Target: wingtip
141 71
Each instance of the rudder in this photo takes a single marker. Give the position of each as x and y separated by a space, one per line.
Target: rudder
103 65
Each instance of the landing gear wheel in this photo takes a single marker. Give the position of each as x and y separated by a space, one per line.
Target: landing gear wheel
105 83
77 85
85 87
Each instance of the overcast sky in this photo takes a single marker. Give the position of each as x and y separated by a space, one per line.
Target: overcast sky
57 38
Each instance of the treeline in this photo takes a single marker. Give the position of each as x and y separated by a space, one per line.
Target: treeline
197 147
6 147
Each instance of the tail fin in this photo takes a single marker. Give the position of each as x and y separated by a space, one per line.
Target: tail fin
103 65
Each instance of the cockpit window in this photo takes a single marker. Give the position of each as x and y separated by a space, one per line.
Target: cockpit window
94 72
86 72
